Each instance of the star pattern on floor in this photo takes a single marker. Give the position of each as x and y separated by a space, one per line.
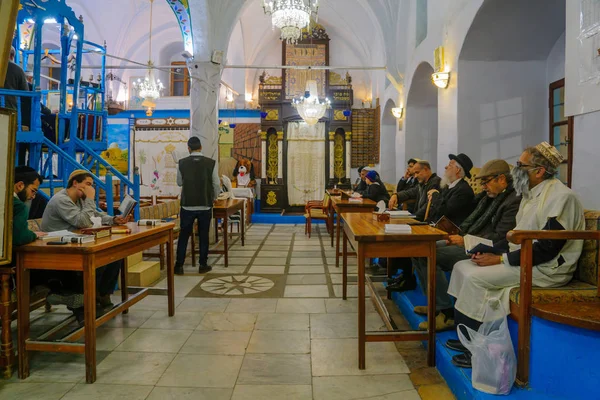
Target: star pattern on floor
233 285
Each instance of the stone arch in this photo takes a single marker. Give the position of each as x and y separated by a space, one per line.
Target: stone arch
421 124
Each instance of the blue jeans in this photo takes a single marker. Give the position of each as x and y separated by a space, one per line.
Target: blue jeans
187 219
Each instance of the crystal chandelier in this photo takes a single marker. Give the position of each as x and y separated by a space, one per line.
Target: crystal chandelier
291 16
310 108
149 88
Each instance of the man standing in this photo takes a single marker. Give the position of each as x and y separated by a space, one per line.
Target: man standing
73 208
547 205
455 200
428 181
197 176
15 80
493 217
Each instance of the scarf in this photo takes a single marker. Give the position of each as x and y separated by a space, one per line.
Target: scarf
484 212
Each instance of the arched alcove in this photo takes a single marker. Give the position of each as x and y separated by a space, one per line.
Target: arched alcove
422 116
388 143
504 71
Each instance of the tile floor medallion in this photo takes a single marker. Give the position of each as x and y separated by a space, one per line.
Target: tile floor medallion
271 326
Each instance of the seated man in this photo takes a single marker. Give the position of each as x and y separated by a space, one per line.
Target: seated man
493 217
547 205
428 181
73 208
455 200
408 181
376 191
362 185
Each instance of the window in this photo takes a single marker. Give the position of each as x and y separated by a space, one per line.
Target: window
180 79
561 130
421 22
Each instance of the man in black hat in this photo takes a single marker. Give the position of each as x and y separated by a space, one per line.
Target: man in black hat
455 201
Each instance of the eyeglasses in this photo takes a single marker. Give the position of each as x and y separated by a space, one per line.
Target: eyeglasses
521 165
484 183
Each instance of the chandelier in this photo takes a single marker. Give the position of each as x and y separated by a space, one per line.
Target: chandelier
149 88
310 108
291 16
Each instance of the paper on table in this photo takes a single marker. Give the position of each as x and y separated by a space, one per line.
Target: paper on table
56 234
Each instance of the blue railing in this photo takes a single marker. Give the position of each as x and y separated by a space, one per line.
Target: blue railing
20 96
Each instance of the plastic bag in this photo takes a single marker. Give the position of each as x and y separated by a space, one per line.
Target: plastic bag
493 356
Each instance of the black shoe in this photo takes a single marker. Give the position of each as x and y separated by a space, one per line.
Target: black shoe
462 360
79 315
204 269
395 280
179 270
403 286
456 345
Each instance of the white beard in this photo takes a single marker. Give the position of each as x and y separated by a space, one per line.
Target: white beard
444 182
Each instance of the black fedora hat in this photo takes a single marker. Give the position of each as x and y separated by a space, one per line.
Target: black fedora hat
464 162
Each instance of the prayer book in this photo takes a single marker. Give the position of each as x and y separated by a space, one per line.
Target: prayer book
399 214
56 235
99 233
476 244
398 229
446 225
75 238
149 222
127 206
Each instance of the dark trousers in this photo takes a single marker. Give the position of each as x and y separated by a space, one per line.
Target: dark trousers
402 264
187 219
446 257
106 279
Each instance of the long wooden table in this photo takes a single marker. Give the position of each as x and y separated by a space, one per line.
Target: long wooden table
343 205
86 258
223 209
370 240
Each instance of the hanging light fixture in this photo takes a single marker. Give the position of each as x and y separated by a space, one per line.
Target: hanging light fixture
291 16
149 88
309 107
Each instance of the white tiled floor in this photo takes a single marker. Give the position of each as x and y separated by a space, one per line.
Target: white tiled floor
301 346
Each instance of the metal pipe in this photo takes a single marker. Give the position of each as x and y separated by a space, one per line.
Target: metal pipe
303 67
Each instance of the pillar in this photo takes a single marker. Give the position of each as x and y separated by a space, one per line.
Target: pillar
348 153
332 156
205 80
280 155
265 156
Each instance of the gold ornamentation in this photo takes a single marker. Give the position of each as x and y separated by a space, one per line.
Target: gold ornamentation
338 115
272 157
331 136
280 135
263 135
272 115
271 198
339 171
336 79
273 80
348 135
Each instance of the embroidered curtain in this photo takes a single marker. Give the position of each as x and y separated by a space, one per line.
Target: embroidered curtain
305 162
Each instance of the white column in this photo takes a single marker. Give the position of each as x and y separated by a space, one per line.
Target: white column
331 155
265 156
280 155
348 153
205 80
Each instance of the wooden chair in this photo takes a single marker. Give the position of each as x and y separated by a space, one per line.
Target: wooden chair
317 210
576 304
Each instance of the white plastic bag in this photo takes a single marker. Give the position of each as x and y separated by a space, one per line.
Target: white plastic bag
493 356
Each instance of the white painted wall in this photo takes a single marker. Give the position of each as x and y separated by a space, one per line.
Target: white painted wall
501 108
421 135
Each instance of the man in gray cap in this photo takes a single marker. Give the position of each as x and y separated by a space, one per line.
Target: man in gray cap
494 216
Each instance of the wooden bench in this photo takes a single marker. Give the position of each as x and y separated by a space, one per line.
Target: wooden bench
8 309
575 304
165 208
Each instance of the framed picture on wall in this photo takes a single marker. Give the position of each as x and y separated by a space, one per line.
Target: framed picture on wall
8 133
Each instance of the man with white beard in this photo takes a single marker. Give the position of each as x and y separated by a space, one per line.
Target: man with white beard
455 200
547 205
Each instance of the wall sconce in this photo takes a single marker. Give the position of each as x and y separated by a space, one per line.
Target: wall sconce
441 79
397 112
248 97
229 96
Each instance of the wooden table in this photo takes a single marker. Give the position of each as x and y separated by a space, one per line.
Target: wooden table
223 209
344 205
371 240
86 258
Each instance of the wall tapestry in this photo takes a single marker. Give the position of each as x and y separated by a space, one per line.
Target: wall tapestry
117 153
154 157
304 54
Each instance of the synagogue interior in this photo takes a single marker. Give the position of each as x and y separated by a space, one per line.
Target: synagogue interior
299 199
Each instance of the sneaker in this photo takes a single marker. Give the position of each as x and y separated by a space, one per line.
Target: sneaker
403 285
395 280
74 300
442 323
204 269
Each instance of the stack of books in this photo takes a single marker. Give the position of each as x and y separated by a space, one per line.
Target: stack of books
398 229
399 214
67 236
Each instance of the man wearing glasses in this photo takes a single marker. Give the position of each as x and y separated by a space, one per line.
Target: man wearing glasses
492 218
547 205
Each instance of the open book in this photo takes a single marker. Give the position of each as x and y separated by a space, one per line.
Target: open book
476 244
126 206
444 224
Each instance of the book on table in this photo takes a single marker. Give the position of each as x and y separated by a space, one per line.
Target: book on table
99 232
127 206
120 230
149 222
56 235
398 228
399 214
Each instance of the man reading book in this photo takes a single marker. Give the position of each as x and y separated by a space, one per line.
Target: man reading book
492 218
73 208
547 205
